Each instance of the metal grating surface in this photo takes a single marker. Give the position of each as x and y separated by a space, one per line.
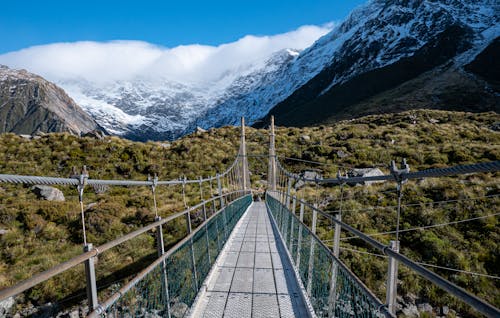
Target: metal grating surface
253 277
239 305
265 306
246 259
263 260
242 280
223 281
216 303
264 281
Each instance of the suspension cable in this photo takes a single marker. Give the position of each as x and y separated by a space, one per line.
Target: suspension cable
371 208
427 226
423 264
316 162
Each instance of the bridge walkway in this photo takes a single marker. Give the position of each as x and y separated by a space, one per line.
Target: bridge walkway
253 276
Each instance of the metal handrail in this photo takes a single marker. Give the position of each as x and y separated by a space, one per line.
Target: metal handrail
477 303
41 277
492 166
111 300
370 294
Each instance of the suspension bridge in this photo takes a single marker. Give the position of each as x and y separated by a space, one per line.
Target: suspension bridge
250 258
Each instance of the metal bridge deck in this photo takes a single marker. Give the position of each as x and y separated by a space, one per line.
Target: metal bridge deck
253 276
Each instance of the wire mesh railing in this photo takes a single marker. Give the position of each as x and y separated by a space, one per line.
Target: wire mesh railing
206 238
281 179
333 290
168 287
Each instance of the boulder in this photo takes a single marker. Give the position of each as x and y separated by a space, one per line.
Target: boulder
179 310
48 193
100 188
6 306
364 172
200 130
410 310
445 310
305 138
74 314
425 307
495 126
308 174
96 134
342 154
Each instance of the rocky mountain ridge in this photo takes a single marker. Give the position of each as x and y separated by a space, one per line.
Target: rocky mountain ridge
30 104
385 44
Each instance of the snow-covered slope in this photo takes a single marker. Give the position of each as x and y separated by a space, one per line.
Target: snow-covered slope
157 108
376 35
384 32
384 44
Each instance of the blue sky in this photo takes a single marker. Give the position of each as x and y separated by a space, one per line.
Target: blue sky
165 23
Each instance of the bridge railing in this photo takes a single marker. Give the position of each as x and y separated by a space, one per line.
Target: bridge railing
333 290
223 205
168 287
280 203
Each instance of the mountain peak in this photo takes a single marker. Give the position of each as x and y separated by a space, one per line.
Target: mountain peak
31 104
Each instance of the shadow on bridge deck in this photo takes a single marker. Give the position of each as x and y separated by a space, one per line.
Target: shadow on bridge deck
253 276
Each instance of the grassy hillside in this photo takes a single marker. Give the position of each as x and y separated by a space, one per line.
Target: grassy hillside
40 234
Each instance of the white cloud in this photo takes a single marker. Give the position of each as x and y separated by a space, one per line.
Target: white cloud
123 60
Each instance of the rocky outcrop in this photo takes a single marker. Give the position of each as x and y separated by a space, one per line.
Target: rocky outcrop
308 174
95 134
365 172
6 306
30 104
48 193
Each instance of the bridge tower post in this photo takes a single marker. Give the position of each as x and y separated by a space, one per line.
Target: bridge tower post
392 271
219 189
189 229
244 156
294 205
332 298
272 158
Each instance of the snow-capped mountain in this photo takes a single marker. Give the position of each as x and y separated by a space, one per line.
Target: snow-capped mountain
418 34
382 45
159 108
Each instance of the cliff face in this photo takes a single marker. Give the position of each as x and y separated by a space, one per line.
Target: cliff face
29 103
